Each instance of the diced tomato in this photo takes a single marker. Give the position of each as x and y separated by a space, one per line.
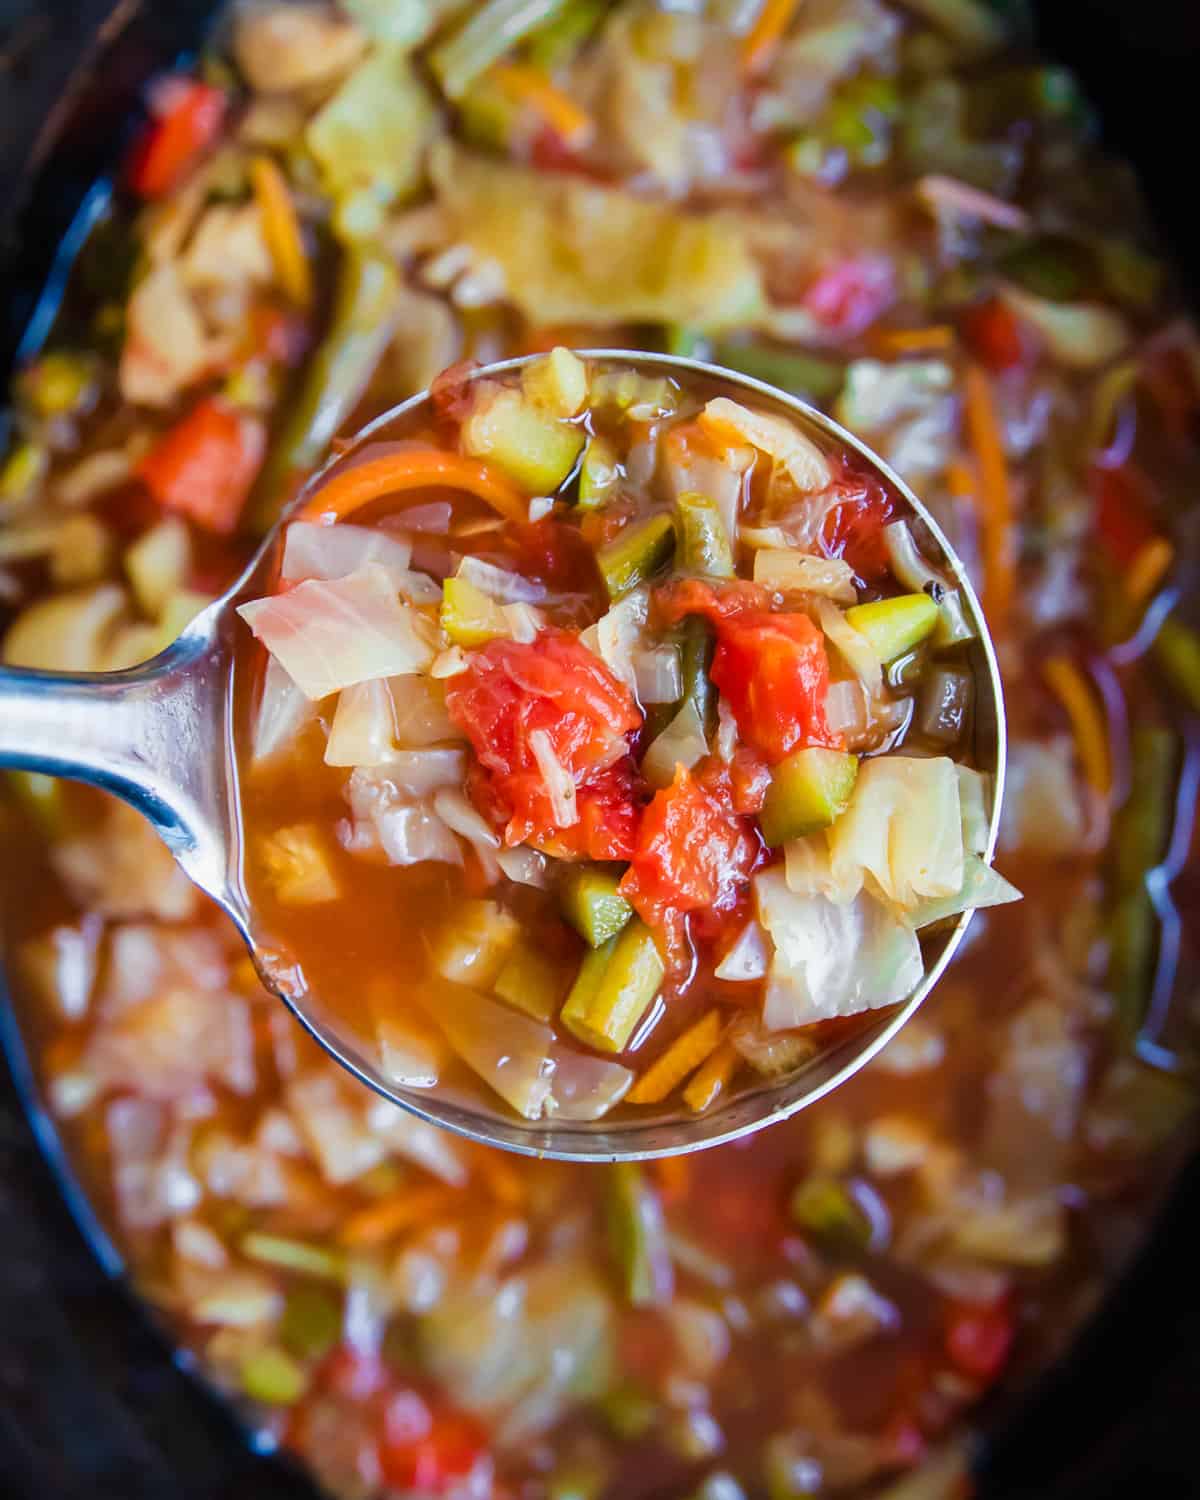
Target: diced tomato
186 117
749 778
715 602
853 530
979 1338
555 685
205 465
848 297
693 850
427 1452
994 335
450 392
1123 511
557 555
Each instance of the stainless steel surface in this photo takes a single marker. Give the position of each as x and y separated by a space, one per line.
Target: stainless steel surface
162 737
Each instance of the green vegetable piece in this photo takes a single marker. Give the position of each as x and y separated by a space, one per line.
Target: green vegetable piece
366 301
1177 649
536 449
636 553
468 616
58 383
798 374
23 470
704 543
637 1236
695 661
1054 267
489 31
273 1377
628 1412
557 40
808 791
593 905
530 981
293 1255
894 626
598 475
824 1209
1133 938
311 1324
488 114
686 343
610 997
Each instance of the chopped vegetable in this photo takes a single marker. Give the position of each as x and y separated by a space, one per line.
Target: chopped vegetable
281 230
531 981
636 554
995 496
186 118
473 947
894 626
681 1058
615 988
298 867
712 1078
1087 719
468 616
808 791
593 905
637 1236
825 1209
509 1051
414 468
535 449
271 1376
204 467
703 543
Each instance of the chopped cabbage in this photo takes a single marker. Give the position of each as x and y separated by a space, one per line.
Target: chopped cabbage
313 551
982 886
747 959
682 743
363 725
500 584
788 569
508 1050
615 636
798 456
903 828
831 959
585 1087
572 251
860 656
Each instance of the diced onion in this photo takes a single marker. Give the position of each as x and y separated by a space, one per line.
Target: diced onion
765 536
417 773
748 958
682 743
499 583
312 551
657 675
559 784
435 517
727 736
789 569
860 656
523 621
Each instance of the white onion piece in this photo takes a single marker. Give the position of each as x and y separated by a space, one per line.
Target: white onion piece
500 584
846 708
789 569
419 707
524 622
559 784
508 1050
312 551
331 633
584 1087
657 675
363 726
765 536
748 958
417 588
523 865
283 711
452 662
860 656
682 743
456 812
769 1053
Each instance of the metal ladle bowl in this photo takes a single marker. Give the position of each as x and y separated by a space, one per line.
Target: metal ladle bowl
161 736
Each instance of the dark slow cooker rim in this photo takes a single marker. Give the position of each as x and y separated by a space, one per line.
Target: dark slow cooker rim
74 88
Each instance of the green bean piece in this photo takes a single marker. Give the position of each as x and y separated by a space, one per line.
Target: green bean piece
636 553
311 1324
293 1255
637 1236
558 39
360 328
798 374
273 1377
699 643
615 987
824 1209
686 343
1132 931
1177 649
808 791
704 542
593 905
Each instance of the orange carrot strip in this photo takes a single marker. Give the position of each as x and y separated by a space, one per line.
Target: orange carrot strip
995 498
412 469
682 1057
760 42
1070 687
400 1211
937 338
674 1175
1150 565
528 86
712 1078
281 230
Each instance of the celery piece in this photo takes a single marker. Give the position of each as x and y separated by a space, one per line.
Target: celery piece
593 905
704 542
536 449
686 343
637 1236
598 474
894 626
557 40
557 382
798 374
468 616
471 948
293 1255
808 791
484 37
824 1209
311 1324
608 1000
273 1377
531 981
636 553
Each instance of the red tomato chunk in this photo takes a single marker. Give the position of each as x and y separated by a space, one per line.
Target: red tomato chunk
205 466
557 686
186 117
853 530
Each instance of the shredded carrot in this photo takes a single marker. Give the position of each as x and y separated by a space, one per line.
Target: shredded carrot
961 480
412 469
674 1174
558 110
1088 725
712 1078
682 1057
995 498
1150 565
760 42
503 1180
281 230
936 338
396 1213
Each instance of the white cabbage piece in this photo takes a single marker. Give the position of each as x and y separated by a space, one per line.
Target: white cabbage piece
857 651
1044 812
903 828
585 1087
784 568
510 1051
363 725
831 959
682 743
748 959
798 456
314 551
616 635
982 886
906 411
